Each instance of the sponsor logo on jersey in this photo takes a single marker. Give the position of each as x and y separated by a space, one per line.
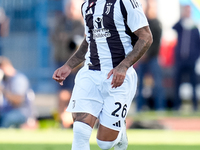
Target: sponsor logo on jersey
98 23
99 31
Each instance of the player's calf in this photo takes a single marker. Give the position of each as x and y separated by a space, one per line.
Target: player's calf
105 145
82 133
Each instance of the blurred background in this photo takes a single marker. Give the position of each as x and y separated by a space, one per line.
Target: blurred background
35 32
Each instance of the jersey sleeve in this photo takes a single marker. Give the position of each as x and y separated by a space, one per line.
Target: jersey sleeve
136 18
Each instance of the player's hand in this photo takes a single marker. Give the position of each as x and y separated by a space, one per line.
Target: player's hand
119 74
61 74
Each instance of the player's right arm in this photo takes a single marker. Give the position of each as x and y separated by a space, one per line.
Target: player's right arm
78 57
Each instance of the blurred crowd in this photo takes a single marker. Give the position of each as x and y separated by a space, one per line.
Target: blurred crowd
153 77
160 87
16 95
152 73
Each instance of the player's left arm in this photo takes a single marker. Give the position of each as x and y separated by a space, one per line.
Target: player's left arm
78 57
142 45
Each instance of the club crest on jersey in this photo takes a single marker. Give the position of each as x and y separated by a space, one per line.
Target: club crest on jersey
108 5
99 31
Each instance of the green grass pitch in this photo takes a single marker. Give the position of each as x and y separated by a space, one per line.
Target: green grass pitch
61 139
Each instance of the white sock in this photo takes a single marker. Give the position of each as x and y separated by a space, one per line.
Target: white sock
82 133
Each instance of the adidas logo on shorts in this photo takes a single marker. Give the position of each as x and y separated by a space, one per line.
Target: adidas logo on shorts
117 124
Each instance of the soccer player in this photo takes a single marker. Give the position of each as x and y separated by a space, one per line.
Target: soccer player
117 35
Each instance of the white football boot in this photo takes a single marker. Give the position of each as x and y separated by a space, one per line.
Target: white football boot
123 143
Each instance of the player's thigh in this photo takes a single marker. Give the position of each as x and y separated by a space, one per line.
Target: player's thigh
85 118
86 101
116 105
117 102
106 134
113 115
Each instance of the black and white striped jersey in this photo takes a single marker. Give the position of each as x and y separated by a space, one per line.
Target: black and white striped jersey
109 27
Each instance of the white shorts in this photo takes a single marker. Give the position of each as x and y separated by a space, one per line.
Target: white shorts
94 94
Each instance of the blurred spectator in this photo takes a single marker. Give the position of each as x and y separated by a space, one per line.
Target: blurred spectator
66 37
4 26
149 62
16 102
186 54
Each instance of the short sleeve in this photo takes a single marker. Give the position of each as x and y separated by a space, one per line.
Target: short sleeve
136 18
83 9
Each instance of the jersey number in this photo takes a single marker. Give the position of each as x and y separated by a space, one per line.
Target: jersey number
124 110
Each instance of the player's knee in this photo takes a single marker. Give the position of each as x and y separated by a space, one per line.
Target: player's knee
105 145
